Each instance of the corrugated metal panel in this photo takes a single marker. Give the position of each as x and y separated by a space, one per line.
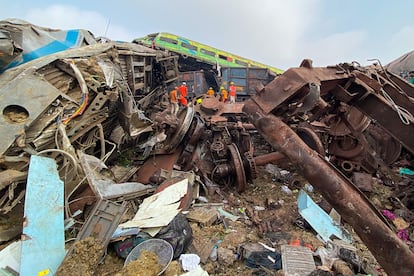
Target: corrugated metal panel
297 260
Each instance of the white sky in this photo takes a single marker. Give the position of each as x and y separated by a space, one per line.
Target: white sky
280 33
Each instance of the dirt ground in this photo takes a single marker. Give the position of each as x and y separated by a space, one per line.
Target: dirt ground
267 215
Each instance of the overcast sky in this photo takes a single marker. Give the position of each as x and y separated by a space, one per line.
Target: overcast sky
280 33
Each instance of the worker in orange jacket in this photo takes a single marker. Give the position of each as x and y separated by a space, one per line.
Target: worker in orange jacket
223 94
174 101
183 93
232 94
210 91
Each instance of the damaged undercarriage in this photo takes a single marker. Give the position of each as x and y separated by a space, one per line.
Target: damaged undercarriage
105 104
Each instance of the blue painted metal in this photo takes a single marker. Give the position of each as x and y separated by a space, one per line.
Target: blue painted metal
320 221
71 40
43 240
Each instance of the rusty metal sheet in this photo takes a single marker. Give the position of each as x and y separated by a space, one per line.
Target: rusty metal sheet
155 164
21 102
292 82
235 108
211 105
384 114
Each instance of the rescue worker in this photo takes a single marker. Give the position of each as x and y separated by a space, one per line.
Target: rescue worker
174 101
232 93
223 94
210 91
183 93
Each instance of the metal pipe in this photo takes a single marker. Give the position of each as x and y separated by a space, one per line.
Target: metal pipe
391 253
268 158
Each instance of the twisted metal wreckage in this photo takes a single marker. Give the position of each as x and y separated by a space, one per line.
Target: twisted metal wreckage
86 106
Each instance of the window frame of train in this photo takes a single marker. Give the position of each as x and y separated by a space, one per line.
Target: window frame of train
241 63
168 40
189 47
207 52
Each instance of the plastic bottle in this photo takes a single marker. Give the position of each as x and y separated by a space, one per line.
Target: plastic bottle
213 254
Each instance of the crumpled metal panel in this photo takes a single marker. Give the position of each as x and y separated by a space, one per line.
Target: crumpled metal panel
293 82
27 93
8 48
323 224
104 187
36 41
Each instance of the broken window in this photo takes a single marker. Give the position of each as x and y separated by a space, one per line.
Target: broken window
229 59
207 52
169 40
189 46
242 63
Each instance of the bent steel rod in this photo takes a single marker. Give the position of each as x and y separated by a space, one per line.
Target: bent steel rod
391 253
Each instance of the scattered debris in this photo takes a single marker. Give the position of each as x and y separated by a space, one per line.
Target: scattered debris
223 181
297 260
159 209
323 224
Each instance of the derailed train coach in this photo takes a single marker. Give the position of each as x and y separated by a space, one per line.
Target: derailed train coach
92 98
100 99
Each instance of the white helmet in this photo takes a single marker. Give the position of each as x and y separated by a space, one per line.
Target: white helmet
184 83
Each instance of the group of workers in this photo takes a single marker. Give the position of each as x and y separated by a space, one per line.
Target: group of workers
224 94
179 95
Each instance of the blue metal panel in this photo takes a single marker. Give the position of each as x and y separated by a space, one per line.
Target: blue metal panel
320 221
50 48
43 240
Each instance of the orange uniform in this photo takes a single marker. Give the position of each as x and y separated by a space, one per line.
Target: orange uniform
174 96
174 101
224 95
232 89
210 92
183 94
232 93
